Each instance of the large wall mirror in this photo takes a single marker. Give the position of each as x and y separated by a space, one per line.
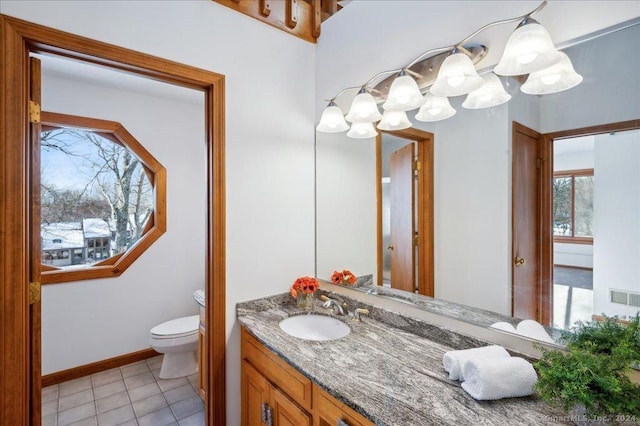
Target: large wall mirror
596 216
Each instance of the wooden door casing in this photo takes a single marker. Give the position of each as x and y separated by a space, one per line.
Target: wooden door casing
525 287
403 218
35 344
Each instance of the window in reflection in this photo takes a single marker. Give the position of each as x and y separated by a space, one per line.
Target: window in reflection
573 203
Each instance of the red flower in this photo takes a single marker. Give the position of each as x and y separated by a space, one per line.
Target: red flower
344 277
305 285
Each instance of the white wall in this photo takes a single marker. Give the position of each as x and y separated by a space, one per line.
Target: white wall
345 211
609 91
269 130
470 202
104 318
580 255
617 195
573 161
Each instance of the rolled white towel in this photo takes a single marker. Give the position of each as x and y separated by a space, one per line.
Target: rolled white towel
504 326
454 360
488 379
534 330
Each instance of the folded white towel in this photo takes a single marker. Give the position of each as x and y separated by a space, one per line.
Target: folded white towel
534 330
454 360
504 326
488 379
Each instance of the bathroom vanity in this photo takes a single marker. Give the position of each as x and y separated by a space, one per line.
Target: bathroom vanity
381 373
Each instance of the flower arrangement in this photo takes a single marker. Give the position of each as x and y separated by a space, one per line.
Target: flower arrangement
345 277
304 285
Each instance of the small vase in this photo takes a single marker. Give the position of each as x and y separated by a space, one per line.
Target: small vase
305 301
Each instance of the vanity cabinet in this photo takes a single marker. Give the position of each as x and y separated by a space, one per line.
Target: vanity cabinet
276 394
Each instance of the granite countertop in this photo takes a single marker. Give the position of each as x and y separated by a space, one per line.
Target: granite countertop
385 371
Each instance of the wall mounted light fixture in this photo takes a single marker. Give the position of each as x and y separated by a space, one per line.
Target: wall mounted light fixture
556 78
529 50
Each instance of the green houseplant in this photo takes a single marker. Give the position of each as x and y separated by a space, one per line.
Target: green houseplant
594 372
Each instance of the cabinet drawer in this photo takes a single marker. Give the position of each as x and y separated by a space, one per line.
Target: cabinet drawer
331 412
276 370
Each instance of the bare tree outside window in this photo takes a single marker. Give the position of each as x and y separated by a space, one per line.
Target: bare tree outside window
96 197
573 204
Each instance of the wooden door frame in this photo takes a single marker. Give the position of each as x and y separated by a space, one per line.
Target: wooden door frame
425 228
18 39
545 145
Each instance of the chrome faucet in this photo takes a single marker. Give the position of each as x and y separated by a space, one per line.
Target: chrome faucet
358 312
332 303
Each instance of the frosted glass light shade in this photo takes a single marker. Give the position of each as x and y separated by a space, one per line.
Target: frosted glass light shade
363 109
436 108
457 76
404 94
490 94
394 120
332 120
529 49
362 131
556 78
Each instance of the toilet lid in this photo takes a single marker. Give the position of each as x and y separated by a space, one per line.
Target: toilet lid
177 327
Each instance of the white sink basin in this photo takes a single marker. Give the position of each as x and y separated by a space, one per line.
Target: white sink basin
314 327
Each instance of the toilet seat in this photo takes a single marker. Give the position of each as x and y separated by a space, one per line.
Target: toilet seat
180 327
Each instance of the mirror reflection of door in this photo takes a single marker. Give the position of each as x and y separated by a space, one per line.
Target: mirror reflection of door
402 218
525 290
405 210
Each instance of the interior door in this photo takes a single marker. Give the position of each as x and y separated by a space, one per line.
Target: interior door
35 351
402 204
525 224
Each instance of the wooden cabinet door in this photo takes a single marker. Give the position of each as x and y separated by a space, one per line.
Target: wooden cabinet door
286 412
255 391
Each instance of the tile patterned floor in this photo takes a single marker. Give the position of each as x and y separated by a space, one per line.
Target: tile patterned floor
130 395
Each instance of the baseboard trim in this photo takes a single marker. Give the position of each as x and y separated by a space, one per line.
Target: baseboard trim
583 268
96 367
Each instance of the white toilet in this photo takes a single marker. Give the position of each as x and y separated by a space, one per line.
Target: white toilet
178 341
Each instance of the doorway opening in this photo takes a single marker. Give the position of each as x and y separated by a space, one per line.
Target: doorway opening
21 270
596 179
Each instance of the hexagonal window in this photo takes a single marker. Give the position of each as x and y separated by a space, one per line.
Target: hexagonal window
102 198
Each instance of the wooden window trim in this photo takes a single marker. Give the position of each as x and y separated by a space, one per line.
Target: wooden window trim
155 226
572 239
